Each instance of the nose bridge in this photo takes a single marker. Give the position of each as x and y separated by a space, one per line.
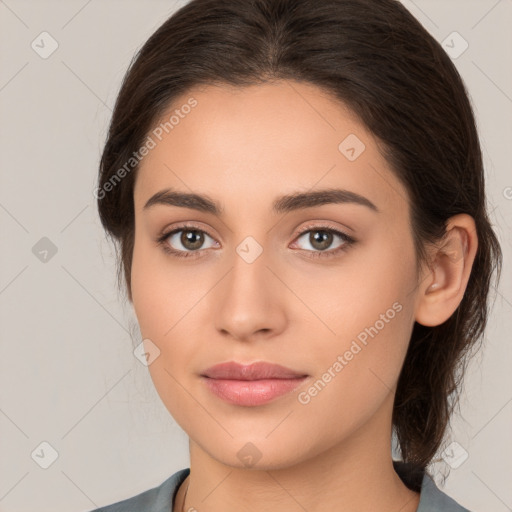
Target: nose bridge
250 273
250 243
250 297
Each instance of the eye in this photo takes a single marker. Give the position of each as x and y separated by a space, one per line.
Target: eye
190 237
321 238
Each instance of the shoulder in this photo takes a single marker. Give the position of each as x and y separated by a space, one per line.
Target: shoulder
432 499
157 499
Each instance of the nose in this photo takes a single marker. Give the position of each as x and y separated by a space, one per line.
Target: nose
250 302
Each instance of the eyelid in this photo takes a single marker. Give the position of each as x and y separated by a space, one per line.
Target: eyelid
184 226
319 225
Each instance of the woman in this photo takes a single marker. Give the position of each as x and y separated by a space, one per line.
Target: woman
297 192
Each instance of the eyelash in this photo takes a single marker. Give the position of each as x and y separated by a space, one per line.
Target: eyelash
348 241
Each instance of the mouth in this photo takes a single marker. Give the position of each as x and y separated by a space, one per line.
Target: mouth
251 385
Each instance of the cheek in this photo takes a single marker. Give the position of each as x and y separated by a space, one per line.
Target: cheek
369 306
158 294
368 287
357 370
143 278
167 300
162 296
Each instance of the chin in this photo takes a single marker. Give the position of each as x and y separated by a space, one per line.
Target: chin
244 452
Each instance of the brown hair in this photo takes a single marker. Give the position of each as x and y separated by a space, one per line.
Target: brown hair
374 56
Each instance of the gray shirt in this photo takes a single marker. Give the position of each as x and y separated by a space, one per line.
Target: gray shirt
161 498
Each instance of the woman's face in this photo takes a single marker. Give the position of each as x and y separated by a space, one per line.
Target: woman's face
273 284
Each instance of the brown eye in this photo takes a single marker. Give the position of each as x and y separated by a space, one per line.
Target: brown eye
192 239
321 239
184 241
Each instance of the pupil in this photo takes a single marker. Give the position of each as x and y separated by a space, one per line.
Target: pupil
324 239
188 239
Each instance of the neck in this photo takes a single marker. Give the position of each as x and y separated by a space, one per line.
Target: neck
356 474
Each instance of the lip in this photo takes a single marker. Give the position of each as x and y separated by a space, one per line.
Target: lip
251 385
255 371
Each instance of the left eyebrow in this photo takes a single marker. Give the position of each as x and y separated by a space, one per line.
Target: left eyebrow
302 200
283 204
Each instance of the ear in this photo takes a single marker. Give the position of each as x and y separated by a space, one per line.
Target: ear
442 287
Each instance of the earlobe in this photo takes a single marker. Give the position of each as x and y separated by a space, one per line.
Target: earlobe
443 285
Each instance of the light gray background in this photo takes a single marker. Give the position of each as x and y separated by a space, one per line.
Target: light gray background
68 376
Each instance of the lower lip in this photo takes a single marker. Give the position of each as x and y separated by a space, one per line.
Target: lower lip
251 392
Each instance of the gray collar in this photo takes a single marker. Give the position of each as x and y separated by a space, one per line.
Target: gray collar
159 499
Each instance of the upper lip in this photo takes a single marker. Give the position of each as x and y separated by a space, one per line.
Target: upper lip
254 371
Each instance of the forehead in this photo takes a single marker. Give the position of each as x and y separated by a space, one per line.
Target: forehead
258 142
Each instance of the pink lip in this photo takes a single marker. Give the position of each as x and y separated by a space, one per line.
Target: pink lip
250 385
255 371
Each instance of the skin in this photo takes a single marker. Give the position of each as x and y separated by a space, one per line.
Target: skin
243 148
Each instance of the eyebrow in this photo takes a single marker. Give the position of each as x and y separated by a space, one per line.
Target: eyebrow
283 204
